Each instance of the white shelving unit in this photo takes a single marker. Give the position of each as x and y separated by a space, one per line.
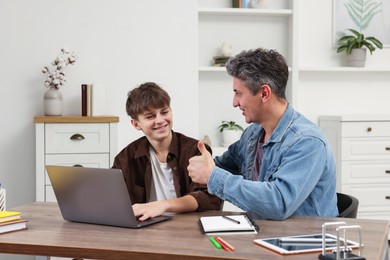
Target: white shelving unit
244 29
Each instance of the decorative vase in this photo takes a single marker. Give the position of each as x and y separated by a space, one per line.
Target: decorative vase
53 103
357 58
226 49
259 3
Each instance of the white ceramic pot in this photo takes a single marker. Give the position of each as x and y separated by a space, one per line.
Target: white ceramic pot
53 103
259 3
230 136
357 58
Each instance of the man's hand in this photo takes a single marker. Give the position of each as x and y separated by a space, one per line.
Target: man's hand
200 167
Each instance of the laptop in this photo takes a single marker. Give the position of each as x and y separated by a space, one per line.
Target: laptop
95 196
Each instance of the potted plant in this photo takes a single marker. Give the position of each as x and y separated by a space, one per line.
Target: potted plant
361 13
353 46
231 132
55 79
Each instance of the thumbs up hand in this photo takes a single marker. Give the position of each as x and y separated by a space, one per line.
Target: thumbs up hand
202 148
201 166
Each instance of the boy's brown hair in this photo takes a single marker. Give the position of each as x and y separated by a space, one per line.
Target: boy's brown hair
147 96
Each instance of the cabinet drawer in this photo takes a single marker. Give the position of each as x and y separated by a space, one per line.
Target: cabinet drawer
365 129
365 148
372 197
77 138
85 160
365 172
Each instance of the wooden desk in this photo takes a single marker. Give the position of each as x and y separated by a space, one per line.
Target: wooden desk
180 238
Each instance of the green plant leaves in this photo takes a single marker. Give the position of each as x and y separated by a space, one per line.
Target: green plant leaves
358 40
230 125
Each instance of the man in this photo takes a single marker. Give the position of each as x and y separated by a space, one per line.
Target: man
155 165
282 165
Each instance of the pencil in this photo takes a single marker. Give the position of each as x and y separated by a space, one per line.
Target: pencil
215 243
231 219
227 244
225 247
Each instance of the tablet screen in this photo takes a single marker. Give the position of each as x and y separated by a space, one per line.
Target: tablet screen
301 244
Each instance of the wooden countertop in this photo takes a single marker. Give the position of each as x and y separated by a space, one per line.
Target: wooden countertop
76 119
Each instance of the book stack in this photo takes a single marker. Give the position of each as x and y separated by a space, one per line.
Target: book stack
241 3
11 221
220 61
86 99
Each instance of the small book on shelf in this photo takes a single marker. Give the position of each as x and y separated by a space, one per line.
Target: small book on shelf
226 225
13 225
86 99
235 3
6 216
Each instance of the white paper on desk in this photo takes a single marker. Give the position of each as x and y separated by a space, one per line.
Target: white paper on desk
217 225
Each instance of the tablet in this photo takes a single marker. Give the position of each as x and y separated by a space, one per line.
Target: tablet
302 244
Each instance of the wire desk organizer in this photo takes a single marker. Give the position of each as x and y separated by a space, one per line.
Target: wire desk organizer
341 252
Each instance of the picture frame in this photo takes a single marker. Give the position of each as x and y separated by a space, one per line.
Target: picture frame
378 27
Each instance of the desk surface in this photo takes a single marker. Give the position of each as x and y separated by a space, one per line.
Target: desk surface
179 238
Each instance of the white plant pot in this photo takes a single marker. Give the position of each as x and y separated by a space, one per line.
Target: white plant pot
230 136
357 58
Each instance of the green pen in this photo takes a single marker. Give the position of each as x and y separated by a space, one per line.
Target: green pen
216 244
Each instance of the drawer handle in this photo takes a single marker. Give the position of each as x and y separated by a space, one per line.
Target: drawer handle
387 197
387 171
387 148
369 129
78 165
77 137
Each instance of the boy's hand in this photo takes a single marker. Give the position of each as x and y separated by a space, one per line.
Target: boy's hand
153 209
200 167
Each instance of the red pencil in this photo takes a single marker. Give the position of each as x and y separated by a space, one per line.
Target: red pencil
225 247
223 242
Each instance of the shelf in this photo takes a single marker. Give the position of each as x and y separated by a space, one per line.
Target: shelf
245 11
216 69
343 69
218 150
211 68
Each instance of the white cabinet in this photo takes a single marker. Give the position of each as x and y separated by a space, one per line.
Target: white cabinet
361 146
72 141
244 29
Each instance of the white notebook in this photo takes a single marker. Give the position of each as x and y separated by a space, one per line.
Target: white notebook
229 224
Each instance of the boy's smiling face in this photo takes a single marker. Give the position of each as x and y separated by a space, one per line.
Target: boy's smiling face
156 123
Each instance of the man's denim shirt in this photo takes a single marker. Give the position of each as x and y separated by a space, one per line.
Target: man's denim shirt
297 175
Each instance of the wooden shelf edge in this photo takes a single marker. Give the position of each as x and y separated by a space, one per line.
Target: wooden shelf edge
76 119
245 11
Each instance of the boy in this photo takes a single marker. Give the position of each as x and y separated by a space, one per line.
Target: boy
155 165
